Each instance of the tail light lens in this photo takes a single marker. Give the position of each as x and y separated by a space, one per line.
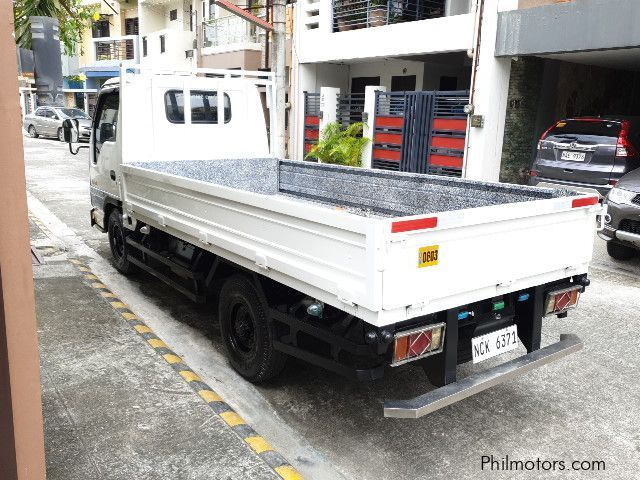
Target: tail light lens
418 343
624 147
533 173
559 301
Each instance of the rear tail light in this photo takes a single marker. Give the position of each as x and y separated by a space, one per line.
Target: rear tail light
418 343
533 173
559 301
584 202
613 183
624 147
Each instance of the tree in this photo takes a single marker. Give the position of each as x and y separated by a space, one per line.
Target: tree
72 15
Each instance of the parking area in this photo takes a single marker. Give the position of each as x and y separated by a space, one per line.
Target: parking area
582 408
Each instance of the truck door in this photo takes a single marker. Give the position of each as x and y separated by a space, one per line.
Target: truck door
105 155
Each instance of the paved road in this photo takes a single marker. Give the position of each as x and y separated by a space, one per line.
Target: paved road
582 408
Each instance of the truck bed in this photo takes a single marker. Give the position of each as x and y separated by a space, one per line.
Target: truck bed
371 193
351 237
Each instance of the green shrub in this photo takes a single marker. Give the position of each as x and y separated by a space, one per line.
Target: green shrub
340 146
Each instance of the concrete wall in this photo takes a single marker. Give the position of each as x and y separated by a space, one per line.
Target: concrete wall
538 3
569 27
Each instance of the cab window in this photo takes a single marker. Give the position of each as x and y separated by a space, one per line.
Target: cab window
204 106
106 120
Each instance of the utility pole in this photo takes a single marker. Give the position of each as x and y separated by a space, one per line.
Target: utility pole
278 66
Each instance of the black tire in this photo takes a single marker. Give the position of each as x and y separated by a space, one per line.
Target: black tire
32 131
61 134
246 331
619 251
119 249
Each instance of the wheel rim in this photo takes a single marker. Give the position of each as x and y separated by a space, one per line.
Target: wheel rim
32 131
242 331
117 241
60 135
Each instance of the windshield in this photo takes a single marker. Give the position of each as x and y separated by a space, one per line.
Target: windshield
74 113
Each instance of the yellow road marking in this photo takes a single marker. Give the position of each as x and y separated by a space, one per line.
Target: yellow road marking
232 418
210 396
76 262
190 376
98 285
142 329
169 357
157 343
90 276
108 294
118 305
84 269
129 316
258 444
287 472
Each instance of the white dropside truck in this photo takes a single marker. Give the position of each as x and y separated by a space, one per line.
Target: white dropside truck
354 270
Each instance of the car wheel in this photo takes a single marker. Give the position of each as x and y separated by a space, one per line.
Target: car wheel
61 134
619 251
32 131
246 331
117 243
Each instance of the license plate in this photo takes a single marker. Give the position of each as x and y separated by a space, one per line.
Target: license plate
573 156
494 343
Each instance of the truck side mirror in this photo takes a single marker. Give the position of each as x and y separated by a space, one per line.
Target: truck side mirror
67 129
71 130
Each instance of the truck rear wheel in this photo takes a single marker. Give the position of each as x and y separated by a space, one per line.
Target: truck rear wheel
619 251
246 331
119 248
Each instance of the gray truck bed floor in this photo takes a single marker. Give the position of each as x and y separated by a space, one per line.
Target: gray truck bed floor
361 191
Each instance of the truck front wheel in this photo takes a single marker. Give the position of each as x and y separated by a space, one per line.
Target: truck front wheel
119 248
246 331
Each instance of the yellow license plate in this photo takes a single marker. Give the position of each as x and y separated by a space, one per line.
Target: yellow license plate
428 256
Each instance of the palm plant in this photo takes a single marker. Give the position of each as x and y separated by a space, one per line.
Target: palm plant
341 146
72 14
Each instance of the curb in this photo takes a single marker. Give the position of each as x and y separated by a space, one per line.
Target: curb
258 444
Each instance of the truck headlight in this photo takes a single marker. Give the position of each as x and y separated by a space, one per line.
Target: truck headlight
619 195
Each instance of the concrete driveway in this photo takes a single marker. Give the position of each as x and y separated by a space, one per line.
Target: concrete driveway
583 408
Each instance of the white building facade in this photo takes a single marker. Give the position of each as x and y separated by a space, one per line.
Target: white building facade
346 50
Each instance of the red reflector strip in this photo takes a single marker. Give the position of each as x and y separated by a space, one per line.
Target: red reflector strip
410 225
584 202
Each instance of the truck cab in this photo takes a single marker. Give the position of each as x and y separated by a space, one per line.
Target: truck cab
167 116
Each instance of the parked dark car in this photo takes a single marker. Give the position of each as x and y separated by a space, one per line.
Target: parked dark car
622 230
587 153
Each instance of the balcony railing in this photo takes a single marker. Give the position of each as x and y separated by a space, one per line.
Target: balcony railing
115 49
228 30
354 14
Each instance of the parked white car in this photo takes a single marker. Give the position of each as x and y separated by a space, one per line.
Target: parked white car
47 121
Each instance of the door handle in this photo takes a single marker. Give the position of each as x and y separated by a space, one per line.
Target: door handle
568 171
112 174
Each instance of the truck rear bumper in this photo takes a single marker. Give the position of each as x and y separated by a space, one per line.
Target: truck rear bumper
454 392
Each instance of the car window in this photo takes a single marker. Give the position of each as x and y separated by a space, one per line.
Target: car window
601 128
42 112
74 113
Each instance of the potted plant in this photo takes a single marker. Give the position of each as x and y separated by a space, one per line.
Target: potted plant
378 12
340 146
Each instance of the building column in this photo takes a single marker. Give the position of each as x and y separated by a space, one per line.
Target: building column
490 86
370 116
21 425
328 106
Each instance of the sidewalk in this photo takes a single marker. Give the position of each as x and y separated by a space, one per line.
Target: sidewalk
114 407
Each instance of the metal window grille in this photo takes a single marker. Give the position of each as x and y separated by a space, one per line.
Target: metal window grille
354 14
115 49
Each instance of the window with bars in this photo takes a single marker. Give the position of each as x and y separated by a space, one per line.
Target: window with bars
173 14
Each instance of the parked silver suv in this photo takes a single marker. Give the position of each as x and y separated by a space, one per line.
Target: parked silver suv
622 230
47 121
587 153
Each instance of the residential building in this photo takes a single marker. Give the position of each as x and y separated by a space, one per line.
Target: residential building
516 66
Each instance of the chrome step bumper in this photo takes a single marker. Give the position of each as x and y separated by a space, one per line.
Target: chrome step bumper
454 392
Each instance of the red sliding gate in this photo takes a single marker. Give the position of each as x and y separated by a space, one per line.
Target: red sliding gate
311 120
420 132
